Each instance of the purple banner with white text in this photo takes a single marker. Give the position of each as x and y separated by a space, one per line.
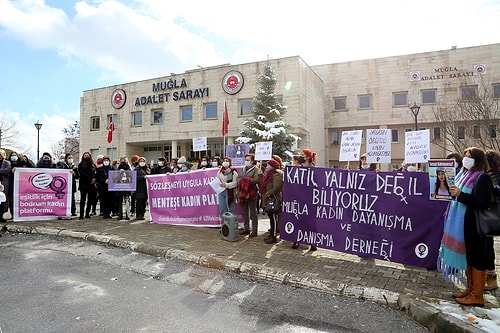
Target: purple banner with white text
41 194
381 215
184 198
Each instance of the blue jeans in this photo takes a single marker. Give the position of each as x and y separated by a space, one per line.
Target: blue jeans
224 205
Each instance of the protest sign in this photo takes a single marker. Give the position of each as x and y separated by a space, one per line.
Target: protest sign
378 146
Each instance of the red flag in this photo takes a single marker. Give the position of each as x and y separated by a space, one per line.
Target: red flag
225 121
111 129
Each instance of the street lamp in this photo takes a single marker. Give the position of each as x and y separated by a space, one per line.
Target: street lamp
38 126
415 109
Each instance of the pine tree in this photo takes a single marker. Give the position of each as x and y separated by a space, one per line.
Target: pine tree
267 123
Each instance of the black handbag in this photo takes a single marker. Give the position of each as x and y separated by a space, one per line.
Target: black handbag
488 219
273 205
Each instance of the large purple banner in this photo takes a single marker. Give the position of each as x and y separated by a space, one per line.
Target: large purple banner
381 215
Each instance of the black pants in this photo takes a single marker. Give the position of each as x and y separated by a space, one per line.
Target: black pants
273 224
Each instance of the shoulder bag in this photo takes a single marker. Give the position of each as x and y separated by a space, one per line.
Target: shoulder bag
273 205
488 219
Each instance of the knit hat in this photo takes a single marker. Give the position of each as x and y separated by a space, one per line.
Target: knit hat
275 164
181 160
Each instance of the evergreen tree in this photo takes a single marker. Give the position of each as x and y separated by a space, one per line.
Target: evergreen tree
267 123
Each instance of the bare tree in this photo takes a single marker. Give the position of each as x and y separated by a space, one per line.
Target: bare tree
8 133
70 143
473 119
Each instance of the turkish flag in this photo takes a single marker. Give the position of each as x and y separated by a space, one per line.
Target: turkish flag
225 121
111 129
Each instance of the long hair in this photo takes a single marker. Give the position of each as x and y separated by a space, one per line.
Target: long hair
437 184
480 161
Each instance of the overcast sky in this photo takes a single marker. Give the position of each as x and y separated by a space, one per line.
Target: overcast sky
53 50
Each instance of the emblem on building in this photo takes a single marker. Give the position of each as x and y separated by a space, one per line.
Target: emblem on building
479 69
415 76
118 98
232 82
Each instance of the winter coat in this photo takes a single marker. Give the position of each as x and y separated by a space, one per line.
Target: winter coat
141 191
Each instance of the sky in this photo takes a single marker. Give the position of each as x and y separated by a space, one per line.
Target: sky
53 50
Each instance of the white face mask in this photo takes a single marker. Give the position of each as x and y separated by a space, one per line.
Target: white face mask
225 164
106 163
160 163
248 163
468 163
365 166
203 163
142 164
411 168
70 161
215 164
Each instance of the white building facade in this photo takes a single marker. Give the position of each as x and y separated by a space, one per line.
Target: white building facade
161 116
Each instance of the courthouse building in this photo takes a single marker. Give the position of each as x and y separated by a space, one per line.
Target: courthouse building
161 116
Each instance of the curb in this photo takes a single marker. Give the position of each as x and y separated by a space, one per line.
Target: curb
420 311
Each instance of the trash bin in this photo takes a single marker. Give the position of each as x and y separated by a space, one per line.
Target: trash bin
229 228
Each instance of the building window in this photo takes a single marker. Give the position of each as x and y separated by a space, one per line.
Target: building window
339 103
492 130
115 120
187 113
400 98
395 135
211 111
476 133
429 96
245 107
157 116
95 123
469 92
496 91
335 137
137 118
437 133
168 153
461 132
365 101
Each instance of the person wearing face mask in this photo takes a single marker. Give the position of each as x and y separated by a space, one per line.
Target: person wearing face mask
141 193
363 165
186 166
86 185
204 163
248 181
162 167
45 161
105 197
271 184
463 251
16 162
5 170
68 163
216 162
228 177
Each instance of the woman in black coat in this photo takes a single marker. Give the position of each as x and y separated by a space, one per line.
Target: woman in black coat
141 193
87 185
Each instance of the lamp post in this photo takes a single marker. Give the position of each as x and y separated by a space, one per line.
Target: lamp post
415 109
38 126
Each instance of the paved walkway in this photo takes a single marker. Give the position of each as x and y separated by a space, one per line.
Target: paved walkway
412 289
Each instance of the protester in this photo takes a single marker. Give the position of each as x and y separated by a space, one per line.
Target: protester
120 196
45 161
458 161
86 170
228 177
105 197
309 160
204 163
68 163
463 251
134 162
141 193
493 158
363 165
186 166
248 181
5 170
162 167
271 184
16 162
216 162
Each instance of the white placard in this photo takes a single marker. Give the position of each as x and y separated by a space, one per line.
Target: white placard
350 145
417 146
263 150
378 145
200 144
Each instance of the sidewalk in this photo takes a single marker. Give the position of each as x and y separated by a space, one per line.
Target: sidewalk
422 294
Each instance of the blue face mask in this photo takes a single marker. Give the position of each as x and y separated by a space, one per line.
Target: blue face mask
184 168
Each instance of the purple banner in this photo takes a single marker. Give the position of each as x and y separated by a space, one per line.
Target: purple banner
122 180
184 198
41 194
381 215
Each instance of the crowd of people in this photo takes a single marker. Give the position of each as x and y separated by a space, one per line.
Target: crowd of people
464 254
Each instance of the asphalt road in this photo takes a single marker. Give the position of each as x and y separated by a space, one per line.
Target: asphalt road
51 284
